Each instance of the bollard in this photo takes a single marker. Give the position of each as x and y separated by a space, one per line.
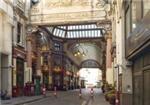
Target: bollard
92 93
44 91
55 92
117 98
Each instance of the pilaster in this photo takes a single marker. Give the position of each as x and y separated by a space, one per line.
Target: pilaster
109 69
29 58
14 72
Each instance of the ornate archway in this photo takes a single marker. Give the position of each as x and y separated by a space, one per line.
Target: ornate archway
90 63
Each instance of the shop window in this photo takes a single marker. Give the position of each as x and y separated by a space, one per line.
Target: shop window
146 6
56 46
136 13
45 60
127 21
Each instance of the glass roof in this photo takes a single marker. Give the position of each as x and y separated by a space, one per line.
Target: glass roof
77 31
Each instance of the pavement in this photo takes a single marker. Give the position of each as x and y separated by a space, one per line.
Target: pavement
63 98
97 99
24 99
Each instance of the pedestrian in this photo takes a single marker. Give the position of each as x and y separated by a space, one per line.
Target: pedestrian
103 90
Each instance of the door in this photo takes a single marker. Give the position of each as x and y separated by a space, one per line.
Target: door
4 73
137 95
147 87
45 78
20 75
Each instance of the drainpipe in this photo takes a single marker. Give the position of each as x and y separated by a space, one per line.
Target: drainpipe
12 49
12 61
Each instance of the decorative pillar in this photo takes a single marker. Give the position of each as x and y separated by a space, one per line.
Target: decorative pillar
29 59
50 68
109 70
25 73
39 62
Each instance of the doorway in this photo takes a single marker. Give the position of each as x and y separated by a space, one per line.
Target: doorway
20 75
4 72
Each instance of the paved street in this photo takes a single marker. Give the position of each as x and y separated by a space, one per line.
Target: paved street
72 98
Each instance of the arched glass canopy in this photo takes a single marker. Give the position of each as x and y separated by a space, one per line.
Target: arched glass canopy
77 31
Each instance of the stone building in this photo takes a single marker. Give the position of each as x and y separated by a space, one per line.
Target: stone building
41 44
131 47
19 61
6 33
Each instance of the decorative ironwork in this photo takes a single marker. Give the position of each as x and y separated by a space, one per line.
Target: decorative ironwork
78 50
77 31
90 64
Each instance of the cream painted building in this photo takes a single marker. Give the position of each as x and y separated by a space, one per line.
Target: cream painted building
13 22
109 67
20 74
6 32
122 71
131 31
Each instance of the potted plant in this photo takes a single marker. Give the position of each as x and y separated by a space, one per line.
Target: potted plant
111 98
106 96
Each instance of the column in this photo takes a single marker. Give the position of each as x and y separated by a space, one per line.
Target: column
50 69
25 72
14 75
39 62
109 70
29 59
38 79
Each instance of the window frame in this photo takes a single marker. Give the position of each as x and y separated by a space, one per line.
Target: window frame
19 33
139 17
127 9
143 10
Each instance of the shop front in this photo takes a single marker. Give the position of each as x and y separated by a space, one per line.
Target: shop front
138 52
19 61
57 78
